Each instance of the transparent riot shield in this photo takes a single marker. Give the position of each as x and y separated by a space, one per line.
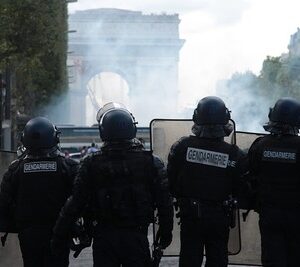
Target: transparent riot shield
10 255
250 236
163 134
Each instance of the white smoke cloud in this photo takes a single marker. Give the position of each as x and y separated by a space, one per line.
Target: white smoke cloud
214 51
222 37
241 94
148 78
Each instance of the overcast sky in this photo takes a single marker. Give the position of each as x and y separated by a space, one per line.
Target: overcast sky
222 36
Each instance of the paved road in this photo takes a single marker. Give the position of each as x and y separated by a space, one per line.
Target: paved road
10 256
85 260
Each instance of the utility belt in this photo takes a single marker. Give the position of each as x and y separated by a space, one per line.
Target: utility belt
196 208
104 225
130 220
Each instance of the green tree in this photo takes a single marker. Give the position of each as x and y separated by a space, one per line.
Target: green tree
268 78
33 45
279 77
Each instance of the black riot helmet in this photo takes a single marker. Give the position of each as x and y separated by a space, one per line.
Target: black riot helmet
39 134
116 123
211 110
285 111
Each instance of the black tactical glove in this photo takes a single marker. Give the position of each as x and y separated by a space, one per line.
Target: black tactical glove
164 238
80 243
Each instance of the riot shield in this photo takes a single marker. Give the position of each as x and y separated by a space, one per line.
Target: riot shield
250 236
163 134
10 255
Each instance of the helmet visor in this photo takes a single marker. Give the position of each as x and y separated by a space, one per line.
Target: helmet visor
107 107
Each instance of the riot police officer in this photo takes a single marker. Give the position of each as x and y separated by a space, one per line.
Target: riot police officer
122 184
275 167
203 172
35 187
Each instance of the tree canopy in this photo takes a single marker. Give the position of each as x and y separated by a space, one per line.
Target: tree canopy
279 77
33 46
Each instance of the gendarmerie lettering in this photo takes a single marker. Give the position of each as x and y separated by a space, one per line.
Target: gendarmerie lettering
207 157
41 166
279 156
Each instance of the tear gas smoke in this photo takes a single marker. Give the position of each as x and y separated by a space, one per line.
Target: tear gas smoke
140 50
104 55
249 109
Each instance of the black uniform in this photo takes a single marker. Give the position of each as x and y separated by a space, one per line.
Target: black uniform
35 188
203 173
123 184
275 164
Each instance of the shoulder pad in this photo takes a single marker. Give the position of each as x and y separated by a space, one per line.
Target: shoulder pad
181 141
139 153
179 144
71 162
14 164
185 138
158 161
61 154
94 154
90 157
256 141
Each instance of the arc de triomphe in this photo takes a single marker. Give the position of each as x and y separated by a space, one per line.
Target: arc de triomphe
142 49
